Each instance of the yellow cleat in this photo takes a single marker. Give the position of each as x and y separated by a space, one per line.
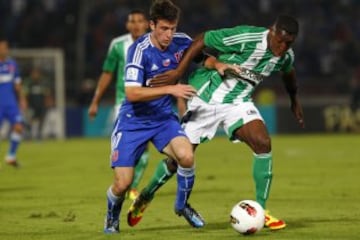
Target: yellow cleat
132 194
136 210
272 222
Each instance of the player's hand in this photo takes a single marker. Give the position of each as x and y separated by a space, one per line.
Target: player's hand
298 112
167 78
182 91
93 110
222 67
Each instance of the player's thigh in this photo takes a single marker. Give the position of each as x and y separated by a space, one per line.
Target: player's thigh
127 147
202 121
238 116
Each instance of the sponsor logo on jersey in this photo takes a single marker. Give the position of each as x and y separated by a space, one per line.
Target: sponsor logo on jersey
166 62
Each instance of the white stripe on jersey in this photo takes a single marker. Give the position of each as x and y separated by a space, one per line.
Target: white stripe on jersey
135 65
4 78
132 84
124 38
182 35
243 37
139 50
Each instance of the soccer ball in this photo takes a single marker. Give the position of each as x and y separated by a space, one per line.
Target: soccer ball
247 217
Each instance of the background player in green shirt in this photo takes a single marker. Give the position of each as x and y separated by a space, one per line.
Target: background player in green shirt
137 25
247 55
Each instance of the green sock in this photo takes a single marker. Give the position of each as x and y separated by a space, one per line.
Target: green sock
139 169
159 178
262 173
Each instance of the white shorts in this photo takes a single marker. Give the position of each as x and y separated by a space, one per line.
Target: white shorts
206 118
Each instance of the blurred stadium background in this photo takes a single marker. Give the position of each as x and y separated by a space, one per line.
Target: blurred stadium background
327 54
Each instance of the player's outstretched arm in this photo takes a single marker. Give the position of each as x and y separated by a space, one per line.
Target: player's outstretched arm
102 85
290 83
172 76
142 94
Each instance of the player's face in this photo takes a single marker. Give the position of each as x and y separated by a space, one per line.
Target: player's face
162 33
137 25
4 49
280 41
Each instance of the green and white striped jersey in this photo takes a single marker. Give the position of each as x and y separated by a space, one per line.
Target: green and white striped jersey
245 46
116 60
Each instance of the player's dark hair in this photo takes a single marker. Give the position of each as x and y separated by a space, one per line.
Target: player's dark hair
138 11
164 9
288 24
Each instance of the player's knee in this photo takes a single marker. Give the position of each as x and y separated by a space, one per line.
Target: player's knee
121 185
262 145
186 159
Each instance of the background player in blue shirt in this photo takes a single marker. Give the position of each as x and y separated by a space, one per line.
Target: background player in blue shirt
147 115
11 100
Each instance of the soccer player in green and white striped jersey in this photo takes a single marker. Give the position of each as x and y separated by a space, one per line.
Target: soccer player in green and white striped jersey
246 55
137 25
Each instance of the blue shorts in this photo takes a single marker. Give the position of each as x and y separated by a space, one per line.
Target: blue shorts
128 146
10 113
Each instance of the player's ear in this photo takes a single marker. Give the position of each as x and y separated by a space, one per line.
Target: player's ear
152 25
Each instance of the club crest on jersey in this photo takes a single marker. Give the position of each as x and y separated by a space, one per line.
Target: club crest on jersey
166 62
178 55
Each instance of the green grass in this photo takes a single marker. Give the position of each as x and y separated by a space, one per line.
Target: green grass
59 193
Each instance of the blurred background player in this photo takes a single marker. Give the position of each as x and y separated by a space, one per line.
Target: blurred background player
37 93
12 100
137 24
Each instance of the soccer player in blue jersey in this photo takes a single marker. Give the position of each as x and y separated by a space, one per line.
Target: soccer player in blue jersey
12 100
147 115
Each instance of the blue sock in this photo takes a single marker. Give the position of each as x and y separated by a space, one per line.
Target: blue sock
114 205
15 139
185 182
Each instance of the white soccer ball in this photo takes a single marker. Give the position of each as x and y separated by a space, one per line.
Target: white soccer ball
247 217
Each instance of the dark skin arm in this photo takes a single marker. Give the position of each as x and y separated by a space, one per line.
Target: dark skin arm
289 80
172 76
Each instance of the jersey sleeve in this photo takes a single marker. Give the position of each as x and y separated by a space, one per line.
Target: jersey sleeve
112 58
225 40
134 70
289 61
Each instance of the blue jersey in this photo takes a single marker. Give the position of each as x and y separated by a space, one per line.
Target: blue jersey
9 75
144 61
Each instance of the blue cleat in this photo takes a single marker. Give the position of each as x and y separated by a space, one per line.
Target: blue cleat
111 226
191 216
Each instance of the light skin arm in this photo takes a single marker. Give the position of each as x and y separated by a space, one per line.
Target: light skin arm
21 96
102 85
289 80
212 63
143 94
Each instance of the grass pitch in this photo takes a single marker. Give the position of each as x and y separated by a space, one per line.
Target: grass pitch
59 193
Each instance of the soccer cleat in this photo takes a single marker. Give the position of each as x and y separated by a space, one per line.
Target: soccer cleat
272 222
191 216
132 194
111 226
12 162
137 208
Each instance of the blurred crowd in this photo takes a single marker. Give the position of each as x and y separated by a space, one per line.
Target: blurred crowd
327 49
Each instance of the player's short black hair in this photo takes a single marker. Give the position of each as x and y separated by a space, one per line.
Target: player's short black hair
138 11
164 9
287 23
